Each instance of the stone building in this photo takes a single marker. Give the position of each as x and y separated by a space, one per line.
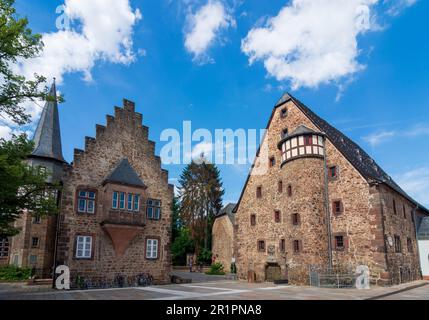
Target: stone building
34 246
223 236
315 198
115 203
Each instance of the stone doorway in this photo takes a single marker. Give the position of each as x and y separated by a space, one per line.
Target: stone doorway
273 272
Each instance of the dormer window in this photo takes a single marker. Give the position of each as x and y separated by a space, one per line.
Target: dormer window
153 209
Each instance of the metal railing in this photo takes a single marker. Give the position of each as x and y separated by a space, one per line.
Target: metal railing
336 277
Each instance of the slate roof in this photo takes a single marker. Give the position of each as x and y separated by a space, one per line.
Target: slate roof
125 174
301 130
366 166
47 137
228 210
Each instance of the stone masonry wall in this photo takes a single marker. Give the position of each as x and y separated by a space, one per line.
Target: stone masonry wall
223 241
357 223
124 136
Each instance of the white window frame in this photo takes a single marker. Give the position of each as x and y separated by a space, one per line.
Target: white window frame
130 202
122 200
136 202
152 248
86 199
86 249
115 200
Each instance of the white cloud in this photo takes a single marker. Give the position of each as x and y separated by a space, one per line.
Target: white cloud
204 27
416 183
311 42
104 34
379 137
397 6
103 31
375 139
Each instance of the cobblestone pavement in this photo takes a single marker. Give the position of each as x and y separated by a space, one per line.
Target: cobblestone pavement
217 290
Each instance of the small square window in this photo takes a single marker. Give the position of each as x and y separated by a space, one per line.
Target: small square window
277 216
259 192
284 134
339 242
333 172
253 220
282 245
261 245
35 242
296 246
289 190
295 219
337 207
398 246
283 113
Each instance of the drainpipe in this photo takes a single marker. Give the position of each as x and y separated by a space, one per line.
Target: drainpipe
57 231
328 215
417 235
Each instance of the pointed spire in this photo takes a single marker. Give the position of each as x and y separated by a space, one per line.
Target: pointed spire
47 138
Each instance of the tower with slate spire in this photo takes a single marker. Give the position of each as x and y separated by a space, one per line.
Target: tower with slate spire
47 151
34 246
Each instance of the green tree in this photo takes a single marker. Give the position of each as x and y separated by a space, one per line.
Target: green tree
22 187
176 221
17 43
201 199
182 245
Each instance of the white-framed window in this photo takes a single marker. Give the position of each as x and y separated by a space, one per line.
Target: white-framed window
136 204
151 248
83 247
122 200
115 196
86 201
130 202
4 247
153 209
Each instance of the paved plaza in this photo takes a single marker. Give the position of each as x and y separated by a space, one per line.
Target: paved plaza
217 288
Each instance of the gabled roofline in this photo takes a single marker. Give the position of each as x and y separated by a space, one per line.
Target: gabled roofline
304 109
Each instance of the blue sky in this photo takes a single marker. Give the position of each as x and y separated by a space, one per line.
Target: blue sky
180 63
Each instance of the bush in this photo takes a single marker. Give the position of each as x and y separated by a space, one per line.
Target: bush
12 273
204 257
216 269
